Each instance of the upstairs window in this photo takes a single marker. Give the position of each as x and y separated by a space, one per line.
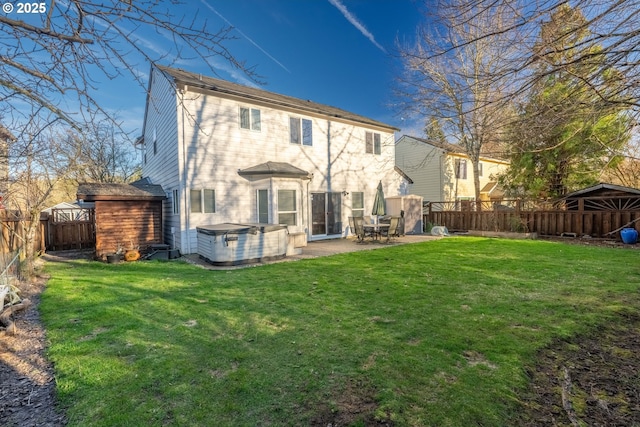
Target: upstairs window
300 131
461 169
250 118
372 143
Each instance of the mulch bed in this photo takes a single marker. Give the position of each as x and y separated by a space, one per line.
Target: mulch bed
27 385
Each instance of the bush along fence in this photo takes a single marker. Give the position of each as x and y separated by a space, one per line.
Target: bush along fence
598 217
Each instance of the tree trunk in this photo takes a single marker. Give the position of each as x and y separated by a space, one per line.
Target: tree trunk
29 243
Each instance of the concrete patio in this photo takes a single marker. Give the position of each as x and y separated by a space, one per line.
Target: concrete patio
320 248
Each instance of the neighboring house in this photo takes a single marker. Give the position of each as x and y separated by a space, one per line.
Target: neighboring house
227 153
442 172
70 211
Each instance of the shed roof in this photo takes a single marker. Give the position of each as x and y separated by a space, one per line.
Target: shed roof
138 190
275 169
259 95
602 188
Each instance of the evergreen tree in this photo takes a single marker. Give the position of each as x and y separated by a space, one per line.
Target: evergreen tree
570 127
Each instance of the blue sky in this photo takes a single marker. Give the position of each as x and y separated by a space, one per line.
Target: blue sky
336 52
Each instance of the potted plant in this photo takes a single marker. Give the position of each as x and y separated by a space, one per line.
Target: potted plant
116 256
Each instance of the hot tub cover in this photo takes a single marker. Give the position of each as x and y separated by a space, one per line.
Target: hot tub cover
233 228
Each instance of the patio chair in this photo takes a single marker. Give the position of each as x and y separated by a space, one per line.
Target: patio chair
360 230
392 231
352 225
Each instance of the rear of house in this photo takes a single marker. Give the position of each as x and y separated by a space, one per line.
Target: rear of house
227 153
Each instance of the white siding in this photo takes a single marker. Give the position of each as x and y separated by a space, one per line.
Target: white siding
163 165
215 148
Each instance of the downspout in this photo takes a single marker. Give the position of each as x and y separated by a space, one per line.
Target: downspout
184 174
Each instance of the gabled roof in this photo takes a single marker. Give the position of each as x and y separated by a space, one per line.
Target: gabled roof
403 175
213 85
603 187
274 169
120 192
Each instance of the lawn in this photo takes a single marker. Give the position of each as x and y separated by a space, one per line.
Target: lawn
439 333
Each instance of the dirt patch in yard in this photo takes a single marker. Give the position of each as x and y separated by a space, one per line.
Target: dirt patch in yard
593 379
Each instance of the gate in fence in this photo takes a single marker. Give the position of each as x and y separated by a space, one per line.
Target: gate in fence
70 230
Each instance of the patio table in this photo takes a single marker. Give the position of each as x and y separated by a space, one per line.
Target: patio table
376 228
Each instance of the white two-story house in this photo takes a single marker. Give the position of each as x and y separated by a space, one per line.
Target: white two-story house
225 152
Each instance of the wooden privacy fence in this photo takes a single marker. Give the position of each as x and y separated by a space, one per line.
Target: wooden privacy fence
543 219
13 233
56 232
65 231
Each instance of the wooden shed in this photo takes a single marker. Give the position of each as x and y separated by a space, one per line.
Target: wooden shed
128 216
603 197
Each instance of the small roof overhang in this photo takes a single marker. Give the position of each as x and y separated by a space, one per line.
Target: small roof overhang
274 170
493 189
139 190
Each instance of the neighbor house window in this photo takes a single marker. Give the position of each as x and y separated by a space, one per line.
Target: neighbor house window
479 169
357 203
461 168
287 212
203 201
175 202
249 118
263 206
372 143
300 131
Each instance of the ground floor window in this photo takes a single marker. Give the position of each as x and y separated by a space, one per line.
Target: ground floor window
203 201
357 203
287 207
263 206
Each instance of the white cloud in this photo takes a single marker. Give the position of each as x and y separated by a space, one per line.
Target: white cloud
356 23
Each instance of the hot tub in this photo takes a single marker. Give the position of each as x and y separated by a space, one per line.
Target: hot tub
235 244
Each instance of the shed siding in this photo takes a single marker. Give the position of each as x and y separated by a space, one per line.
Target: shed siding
127 224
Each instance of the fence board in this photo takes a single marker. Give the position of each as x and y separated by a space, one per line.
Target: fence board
547 222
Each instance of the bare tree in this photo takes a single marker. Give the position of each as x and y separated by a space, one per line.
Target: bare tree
612 24
464 88
104 154
57 59
52 65
38 163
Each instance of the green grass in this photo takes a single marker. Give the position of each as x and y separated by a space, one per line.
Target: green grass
438 333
